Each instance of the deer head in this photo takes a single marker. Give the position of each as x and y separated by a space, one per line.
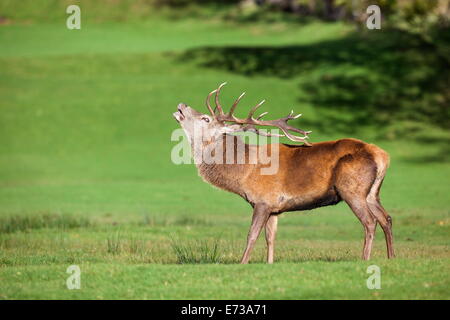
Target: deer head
212 126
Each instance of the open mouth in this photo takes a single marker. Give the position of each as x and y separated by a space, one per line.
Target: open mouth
179 116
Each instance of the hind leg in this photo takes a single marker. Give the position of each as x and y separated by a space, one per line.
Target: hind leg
373 201
355 176
362 212
386 223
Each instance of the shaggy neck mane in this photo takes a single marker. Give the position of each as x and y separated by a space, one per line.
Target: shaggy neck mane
222 175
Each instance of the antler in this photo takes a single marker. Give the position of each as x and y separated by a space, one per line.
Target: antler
250 123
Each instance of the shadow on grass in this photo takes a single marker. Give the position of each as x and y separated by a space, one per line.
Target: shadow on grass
441 155
394 82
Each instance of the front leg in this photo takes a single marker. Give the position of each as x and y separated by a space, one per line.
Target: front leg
261 214
271 231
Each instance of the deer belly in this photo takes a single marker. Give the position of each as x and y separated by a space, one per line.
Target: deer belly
308 202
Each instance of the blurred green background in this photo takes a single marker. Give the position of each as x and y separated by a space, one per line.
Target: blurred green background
86 176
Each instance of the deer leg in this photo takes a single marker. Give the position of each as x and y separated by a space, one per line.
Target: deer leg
386 224
260 215
355 177
271 230
362 212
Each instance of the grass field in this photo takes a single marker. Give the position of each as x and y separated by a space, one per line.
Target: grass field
86 176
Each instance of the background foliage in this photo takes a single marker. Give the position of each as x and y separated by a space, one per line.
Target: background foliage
85 126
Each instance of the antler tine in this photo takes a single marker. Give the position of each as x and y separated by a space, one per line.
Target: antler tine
262 115
294 137
218 106
285 128
291 116
250 114
208 105
290 128
230 113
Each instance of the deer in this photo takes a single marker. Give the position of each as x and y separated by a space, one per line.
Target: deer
309 175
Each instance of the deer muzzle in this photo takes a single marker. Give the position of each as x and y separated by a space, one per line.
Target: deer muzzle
179 116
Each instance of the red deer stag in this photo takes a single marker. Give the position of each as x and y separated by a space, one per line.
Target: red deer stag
308 175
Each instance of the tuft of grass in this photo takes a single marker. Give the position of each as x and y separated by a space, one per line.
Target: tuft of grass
10 224
114 243
153 221
200 251
136 246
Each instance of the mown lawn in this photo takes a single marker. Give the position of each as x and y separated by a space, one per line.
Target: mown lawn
86 176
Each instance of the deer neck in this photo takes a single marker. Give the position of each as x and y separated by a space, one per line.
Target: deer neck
227 176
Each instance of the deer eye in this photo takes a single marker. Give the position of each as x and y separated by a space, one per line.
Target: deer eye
205 118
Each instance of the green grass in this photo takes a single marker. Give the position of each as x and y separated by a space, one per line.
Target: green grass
86 176
37 221
197 251
402 279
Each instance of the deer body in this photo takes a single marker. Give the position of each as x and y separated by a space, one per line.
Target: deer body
309 176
